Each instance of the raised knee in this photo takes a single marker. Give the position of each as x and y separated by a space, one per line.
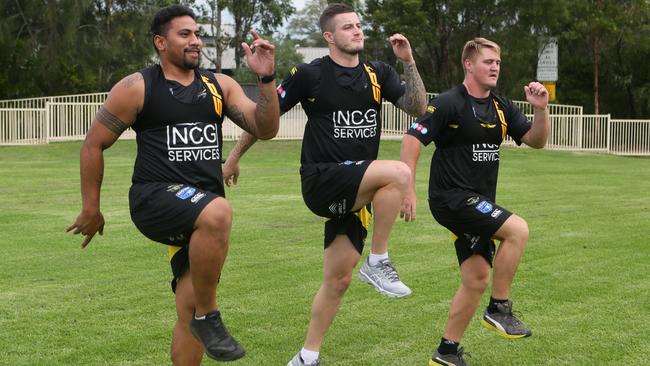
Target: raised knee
521 232
402 175
216 216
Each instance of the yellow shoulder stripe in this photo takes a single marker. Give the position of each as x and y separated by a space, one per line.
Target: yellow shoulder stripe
216 97
502 118
376 88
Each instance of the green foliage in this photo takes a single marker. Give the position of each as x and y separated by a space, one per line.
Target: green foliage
53 47
263 16
438 30
304 26
581 285
72 46
286 57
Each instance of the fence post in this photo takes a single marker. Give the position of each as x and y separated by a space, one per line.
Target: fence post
609 132
47 121
581 122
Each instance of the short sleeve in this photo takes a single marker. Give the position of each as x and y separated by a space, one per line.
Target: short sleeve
518 123
293 87
427 127
392 87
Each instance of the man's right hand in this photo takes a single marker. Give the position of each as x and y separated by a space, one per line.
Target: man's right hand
407 211
230 172
88 224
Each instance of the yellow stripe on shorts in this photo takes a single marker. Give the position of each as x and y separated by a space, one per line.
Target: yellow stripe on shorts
364 216
172 250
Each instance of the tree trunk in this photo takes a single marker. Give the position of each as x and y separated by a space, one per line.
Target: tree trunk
218 44
595 41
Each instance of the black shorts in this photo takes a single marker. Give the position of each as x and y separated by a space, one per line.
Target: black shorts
354 225
472 218
179 261
166 212
330 190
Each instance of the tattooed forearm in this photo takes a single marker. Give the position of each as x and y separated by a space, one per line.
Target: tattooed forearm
414 101
267 112
238 117
111 121
262 102
246 140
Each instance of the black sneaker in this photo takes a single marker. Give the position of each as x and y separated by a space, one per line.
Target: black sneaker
449 360
214 337
505 323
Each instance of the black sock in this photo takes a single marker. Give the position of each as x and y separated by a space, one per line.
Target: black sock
447 347
492 307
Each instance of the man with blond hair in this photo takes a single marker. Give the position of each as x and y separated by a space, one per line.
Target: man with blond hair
468 123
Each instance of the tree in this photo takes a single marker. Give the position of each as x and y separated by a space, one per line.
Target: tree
265 15
304 26
55 47
286 57
212 14
447 24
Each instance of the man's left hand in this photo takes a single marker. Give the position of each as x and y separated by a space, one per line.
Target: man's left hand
260 55
536 95
401 48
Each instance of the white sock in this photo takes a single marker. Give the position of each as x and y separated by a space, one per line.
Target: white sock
308 356
373 259
199 317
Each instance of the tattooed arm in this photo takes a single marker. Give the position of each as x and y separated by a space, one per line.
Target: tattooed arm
258 119
414 99
116 114
231 167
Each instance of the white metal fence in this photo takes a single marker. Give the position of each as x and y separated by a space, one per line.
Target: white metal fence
61 118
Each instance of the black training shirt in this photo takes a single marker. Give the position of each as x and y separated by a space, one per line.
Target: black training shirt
343 107
178 132
468 133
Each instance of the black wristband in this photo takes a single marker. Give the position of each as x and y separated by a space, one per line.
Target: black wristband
266 79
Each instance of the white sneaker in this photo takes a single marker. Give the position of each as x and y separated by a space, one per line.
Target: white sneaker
384 278
297 361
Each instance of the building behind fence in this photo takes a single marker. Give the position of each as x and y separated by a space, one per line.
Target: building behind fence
65 118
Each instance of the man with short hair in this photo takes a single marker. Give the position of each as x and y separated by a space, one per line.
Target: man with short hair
340 175
177 196
468 123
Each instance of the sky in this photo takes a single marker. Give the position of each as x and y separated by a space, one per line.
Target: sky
298 4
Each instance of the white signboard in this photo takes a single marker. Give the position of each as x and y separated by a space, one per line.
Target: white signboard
547 61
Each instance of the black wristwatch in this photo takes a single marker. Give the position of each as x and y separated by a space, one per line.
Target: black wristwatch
266 79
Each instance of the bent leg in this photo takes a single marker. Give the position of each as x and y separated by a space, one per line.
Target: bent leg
185 349
385 184
207 252
338 263
514 236
475 278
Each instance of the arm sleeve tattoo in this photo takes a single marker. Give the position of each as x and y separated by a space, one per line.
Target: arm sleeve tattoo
238 117
111 121
414 99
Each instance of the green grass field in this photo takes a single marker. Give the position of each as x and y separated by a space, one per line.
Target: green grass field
583 285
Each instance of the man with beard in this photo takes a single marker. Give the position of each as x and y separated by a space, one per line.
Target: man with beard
468 123
342 96
177 196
